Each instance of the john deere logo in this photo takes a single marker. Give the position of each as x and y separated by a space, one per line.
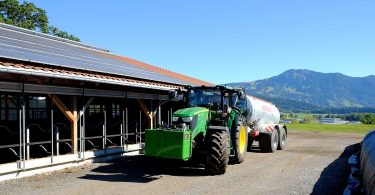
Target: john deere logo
186 136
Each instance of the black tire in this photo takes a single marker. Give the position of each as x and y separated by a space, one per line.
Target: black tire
269 142
250 142
217 152
282 139
239 141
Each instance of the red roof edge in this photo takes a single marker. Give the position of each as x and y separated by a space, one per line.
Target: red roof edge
156 69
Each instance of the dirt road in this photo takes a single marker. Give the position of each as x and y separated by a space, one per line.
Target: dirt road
312 163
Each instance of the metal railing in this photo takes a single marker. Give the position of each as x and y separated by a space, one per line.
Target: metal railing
52 147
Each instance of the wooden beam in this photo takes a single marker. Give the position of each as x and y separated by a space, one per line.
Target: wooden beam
88 103
148 113
61 106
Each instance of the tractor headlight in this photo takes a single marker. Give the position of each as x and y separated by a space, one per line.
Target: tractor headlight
175 119
187 119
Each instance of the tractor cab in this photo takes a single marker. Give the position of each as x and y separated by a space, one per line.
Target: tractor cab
218 98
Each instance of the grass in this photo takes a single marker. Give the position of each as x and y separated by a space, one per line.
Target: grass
344 128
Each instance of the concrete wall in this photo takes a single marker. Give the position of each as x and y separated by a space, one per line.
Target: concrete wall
31 167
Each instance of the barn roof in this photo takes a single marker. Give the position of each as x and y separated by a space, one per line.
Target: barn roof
50 54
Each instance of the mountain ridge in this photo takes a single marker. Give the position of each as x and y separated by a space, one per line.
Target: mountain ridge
325 90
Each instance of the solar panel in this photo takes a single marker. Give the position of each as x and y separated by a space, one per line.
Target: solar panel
35 47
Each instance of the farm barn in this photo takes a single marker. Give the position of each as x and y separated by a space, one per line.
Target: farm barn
64 102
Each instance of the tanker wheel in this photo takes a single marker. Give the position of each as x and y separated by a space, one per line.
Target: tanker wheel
217 152
269 142
239 141
282 139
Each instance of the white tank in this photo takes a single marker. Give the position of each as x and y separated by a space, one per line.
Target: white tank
261 112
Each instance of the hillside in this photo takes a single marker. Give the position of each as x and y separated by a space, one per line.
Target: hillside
314 90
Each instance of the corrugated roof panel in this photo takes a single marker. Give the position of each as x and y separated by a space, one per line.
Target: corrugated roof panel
25 46
27 69
191 80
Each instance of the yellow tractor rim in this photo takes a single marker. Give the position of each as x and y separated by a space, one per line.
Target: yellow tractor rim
243 135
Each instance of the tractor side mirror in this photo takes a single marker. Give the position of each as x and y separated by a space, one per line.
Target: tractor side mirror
172 94
241 95
176 95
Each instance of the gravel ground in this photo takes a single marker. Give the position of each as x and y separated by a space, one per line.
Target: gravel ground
312 163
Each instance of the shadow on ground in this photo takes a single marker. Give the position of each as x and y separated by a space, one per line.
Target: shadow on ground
334 177
255 149
142 169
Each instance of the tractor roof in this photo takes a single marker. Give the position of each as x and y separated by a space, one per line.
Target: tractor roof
220 87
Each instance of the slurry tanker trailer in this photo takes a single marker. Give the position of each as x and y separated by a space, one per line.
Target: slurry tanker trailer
217 124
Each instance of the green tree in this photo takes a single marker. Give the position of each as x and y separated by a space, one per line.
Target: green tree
56 32
27 15
368 119
309 119
353 117
317 117
295 121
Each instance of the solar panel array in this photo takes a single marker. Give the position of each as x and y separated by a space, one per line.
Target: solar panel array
35 47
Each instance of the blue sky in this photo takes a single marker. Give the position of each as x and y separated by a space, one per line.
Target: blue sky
228 41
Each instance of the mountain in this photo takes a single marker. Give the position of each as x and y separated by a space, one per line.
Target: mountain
314 89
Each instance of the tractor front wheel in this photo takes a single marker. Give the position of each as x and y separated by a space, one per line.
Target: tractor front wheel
239 139
217 152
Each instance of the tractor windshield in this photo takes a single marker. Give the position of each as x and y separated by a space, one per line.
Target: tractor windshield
209 98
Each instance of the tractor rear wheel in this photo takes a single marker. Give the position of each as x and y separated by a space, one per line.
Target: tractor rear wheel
239 141
217 152
282 139
269 142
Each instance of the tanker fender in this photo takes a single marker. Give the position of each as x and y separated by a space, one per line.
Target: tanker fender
261 129
268 128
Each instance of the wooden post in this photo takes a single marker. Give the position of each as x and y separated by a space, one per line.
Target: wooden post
71 116
74 126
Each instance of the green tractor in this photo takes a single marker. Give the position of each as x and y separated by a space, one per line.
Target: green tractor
212 124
